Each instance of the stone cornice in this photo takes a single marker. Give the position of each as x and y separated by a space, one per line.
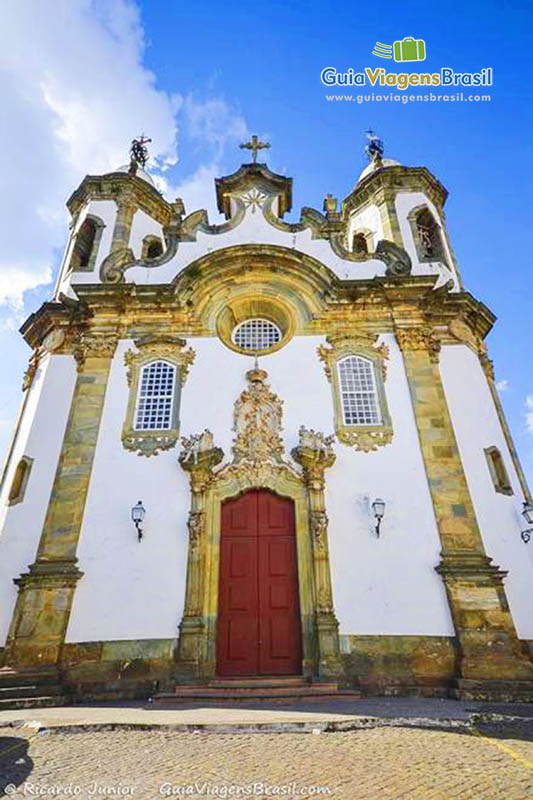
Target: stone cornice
393 180
380 304
53 316
121 186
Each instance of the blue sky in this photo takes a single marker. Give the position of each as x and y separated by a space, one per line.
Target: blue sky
200 77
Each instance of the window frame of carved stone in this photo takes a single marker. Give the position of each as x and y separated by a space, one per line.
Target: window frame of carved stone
169 350
435 234
498 471
362 437
20 480
98 226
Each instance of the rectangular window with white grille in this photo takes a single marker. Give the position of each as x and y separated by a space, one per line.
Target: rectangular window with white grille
156 397
360 403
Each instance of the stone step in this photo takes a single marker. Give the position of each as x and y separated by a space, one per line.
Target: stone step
43 701
274 692
27 677
6 692
254 683
284 699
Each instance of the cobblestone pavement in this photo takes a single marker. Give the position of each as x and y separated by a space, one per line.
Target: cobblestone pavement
385 763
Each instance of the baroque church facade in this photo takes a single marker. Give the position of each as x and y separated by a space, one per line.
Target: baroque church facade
264 448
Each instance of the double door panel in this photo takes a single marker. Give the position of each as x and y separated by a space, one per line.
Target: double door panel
259 630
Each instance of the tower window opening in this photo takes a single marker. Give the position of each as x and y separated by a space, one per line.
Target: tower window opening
498 472
360 404
359 244
20 481
84 244
256 334
156 397
152 247
428 236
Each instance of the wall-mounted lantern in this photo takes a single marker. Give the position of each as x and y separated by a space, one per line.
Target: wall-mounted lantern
378 509
137 514
527 513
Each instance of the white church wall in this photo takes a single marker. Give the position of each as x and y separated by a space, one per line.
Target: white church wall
131 589
40 437
477 426
143 225
136 591
255 229
405 203
386 585
367 219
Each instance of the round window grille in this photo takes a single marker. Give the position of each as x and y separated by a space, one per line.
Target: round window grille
256 334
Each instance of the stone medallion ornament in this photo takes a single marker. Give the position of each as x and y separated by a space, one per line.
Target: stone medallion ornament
53 340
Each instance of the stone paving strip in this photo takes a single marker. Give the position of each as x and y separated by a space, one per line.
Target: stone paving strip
379 763
331 715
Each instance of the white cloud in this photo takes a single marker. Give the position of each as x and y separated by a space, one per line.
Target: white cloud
214 122
502 385
529 412
74 93
198 191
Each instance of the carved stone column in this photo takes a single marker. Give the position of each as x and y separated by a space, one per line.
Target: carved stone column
45 592
315 461
199 465
488 643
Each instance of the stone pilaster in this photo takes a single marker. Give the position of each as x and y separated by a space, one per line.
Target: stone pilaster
385 201
314 463
126 208
192 638
46 591
488 644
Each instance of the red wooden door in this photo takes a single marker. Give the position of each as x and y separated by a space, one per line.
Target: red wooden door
258 611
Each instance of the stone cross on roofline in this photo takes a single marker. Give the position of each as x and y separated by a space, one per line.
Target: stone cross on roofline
254 145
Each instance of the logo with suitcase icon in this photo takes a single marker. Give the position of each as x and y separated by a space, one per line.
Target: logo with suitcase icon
407 49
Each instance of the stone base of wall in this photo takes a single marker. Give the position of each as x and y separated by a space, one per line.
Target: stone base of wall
125 669
423 666
400 665
495 691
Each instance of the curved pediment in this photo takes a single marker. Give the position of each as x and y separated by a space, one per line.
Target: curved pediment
254 200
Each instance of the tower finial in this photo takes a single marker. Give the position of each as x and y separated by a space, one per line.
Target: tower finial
254 145
139 152
375 148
